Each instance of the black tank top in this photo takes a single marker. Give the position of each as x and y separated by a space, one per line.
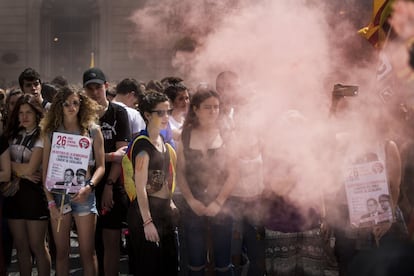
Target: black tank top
207 174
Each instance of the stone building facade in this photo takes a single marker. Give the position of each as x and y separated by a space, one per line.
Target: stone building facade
58 37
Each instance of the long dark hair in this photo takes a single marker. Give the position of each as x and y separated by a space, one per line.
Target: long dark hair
13 125
6 114
191 121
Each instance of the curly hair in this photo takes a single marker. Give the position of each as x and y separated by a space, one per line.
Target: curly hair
86 116
13 125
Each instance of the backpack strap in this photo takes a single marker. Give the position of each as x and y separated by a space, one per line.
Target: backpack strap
127 172
132 144
173 163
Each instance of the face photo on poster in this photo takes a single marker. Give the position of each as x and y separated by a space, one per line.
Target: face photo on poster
68 163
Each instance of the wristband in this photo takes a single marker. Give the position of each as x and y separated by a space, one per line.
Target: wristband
112 154
148 221
50 204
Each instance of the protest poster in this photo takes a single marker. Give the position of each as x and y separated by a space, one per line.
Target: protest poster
367 192
68 162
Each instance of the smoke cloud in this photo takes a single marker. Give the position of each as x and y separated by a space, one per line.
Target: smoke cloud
288 55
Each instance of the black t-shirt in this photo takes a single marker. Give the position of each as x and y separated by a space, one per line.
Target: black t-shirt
158 166
115 128
207 174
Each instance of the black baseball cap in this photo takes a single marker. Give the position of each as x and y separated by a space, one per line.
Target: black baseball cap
93 75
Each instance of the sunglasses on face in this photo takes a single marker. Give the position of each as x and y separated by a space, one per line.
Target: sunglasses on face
68 104
162 113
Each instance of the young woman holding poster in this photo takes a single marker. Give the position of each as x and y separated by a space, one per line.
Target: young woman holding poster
74 113
26 211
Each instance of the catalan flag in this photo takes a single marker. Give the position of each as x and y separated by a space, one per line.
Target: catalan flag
376 31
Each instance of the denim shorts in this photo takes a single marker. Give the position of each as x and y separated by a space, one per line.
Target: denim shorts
77 208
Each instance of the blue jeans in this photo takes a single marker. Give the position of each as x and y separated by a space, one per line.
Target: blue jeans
197 231
248 234
77 208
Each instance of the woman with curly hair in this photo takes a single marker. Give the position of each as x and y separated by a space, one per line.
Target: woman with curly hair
73 112
26 210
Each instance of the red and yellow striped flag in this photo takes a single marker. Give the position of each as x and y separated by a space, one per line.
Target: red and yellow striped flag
376 31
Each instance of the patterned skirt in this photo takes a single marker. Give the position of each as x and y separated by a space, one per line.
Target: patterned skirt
299 253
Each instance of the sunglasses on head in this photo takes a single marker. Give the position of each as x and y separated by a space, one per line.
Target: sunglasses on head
161 113
74 103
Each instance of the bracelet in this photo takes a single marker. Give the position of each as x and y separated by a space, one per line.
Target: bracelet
112 154
50 204
148 221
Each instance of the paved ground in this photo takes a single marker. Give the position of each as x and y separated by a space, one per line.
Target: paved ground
75 264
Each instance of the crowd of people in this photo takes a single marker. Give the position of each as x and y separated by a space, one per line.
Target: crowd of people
203 202
203 187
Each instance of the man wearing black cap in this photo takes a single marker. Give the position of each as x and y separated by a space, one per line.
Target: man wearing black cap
111 198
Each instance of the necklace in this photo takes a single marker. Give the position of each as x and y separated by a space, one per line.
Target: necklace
159 145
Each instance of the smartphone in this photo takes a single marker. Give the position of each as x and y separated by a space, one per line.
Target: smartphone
341 90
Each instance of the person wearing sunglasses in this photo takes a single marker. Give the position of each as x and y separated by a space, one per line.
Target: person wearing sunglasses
150 215
73 113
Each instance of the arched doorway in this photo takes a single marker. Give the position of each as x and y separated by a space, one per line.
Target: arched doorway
68 36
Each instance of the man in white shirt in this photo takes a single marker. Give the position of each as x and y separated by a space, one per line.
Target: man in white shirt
128 94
